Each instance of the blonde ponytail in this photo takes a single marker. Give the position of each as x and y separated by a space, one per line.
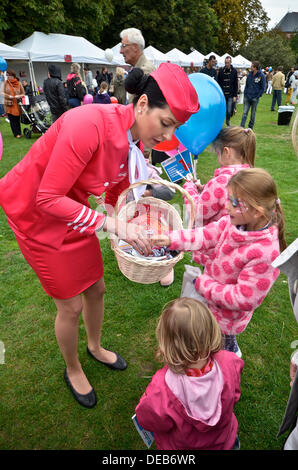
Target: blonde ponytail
242 140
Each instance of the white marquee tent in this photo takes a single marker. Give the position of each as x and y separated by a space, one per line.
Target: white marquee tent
178 57
56 47
61 49
8 52
241 62
156 56
196 58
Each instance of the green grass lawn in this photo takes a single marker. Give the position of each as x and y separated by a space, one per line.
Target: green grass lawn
38 411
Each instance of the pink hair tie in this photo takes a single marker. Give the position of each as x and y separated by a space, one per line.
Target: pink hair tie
277 201
247 130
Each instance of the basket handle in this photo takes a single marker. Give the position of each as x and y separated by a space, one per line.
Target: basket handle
164 183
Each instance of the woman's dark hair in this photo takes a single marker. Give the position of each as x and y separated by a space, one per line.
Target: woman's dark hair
137 83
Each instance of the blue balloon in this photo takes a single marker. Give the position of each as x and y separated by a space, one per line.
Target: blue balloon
3 64
202 128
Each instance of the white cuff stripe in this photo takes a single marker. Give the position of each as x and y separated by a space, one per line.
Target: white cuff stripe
78 218
91 223
84 221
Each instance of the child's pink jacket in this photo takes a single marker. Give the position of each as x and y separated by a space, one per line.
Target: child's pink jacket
238 272
193 412
210 203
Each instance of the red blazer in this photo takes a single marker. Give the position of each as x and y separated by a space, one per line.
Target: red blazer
84 152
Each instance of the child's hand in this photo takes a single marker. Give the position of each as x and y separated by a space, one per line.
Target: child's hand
160 240
199 186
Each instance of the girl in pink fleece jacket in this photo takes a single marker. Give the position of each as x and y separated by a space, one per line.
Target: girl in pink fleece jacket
189 402
235 148
237 251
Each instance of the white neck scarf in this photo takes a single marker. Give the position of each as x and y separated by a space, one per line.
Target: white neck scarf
137 167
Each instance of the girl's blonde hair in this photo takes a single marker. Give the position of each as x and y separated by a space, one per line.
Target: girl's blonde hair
242 140
257 187
186 332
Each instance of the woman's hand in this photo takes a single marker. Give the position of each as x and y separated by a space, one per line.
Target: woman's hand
132 233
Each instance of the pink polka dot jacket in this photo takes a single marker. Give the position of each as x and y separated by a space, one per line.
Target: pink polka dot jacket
210 203
237 268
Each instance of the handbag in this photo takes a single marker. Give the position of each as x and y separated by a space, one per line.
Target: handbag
188 288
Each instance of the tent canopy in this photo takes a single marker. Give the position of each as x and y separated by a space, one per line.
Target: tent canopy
156 56
197 58
241 62
178 57
54 47
8 52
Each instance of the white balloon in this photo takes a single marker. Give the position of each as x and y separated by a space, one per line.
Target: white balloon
109 54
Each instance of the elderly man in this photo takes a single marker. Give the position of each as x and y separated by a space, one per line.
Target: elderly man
132 47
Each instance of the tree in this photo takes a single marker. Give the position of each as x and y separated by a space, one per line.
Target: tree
270 49
240 21
165 24
21 18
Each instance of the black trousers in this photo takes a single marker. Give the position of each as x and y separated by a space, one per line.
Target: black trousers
15 124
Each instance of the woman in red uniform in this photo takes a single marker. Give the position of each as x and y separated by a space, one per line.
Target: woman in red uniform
45 198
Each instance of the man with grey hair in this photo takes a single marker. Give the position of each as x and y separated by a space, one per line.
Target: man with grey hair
132 49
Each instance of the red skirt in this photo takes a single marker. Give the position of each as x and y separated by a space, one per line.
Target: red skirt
66 272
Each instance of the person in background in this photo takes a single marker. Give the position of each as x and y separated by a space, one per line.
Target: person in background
88 79
54 92
278 84
209 68
269 77
227 79
13 92
75 85
132 49
2 79
242 84
103 77
189 403
102 96
117 87
294 86
254 88
288 85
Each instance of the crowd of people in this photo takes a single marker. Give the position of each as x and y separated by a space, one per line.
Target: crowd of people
189 404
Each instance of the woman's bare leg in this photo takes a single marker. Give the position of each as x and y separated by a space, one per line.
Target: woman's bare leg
93 313
66 329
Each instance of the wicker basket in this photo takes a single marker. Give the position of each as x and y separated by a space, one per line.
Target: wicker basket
148 271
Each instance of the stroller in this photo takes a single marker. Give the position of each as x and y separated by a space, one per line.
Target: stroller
37 115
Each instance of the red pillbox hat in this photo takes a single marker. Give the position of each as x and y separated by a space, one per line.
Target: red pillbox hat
177 89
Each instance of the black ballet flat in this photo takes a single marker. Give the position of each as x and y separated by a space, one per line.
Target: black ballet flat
119 364
88 400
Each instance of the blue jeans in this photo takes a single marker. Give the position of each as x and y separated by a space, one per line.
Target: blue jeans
276 97
74 102
229 109
249 103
